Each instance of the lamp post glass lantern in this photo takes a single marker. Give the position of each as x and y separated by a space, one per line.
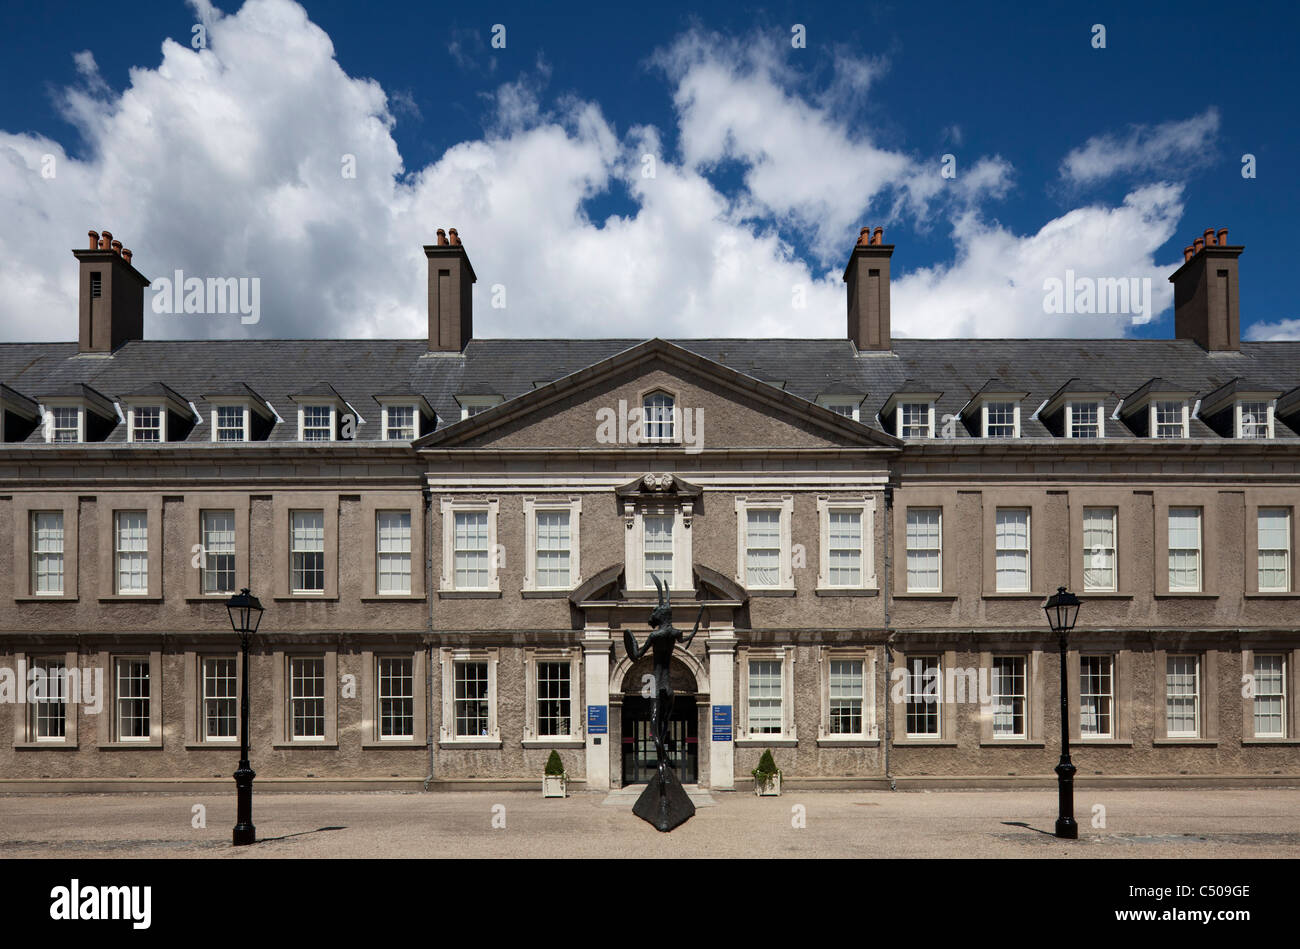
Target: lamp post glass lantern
245 616
1062 609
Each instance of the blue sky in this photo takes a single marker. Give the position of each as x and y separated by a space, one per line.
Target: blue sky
225 161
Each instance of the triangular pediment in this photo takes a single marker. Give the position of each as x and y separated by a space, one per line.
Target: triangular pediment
601 407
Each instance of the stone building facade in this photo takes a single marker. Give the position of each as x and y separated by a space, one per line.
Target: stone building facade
451 537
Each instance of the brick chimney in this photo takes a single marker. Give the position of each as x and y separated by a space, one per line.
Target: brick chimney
868 278
1205 293
110 298
451 300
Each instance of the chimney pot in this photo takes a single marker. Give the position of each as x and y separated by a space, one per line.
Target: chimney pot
1199 244
878 236
442 238
105 238
1188 253
94 239
864 236
453 237
126 254
1223 237
117 247
1209 237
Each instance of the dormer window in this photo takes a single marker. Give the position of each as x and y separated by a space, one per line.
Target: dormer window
845 405
1168 418
66 425
230 423
399 423
1001 419
1254 419
146 423
916 420
316 423
1084 420
471 405
658 417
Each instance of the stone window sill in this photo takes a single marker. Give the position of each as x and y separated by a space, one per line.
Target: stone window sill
1207 742
304 598
211 745
469 594
392 597
469 743
131 746
769 741
1273 595
1010 743
1270 741
310 745
45 746
924 743
1189 595
1118 742
925 596
376 744
769 591
130 598
60 598
1014 595
1105 595
847 591
556 742
545 594
833 742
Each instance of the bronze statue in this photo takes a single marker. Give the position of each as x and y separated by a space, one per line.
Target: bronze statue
664 803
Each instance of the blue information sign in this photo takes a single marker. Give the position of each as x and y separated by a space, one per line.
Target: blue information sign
597 719
722 723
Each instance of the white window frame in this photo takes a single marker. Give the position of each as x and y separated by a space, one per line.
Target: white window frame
870 729
1107 698
533 659
380 552
1281 696
204 569
1027 550
387 407
1238 415
118 554
1112 550
56 689
865 507
204 698
294 552
984 417
534 506
1153 417
788 735
449 658
291 697
379 660
1070 423
1196 695
674 434
902 410
907 550
1024 695
52 428
131 423
1200 549
33 522
1287 514
118 699
216 411
471 405
785 571
450 508
302 421
930 694
834 403
634 549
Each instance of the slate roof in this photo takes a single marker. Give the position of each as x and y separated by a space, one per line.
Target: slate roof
362 369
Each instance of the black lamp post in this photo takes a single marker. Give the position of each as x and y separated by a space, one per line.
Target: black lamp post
245 615
1062 609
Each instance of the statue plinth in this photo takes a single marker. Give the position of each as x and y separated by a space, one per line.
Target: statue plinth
664 802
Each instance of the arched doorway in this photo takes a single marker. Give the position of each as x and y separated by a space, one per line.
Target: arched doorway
639 759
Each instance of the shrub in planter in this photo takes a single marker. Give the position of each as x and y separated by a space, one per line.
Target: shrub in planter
554 780
767 776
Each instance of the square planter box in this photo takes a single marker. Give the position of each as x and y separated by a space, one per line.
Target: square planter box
553 786
771 789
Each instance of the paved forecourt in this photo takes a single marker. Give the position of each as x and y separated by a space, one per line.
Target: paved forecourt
1123 823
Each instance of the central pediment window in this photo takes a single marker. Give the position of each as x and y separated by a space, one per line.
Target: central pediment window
657 511
659 418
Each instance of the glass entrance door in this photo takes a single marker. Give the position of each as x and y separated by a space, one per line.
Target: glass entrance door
640 762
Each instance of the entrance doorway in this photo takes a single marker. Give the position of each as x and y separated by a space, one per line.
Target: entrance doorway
640 761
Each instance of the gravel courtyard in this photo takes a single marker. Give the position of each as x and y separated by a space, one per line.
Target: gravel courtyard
1182 824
